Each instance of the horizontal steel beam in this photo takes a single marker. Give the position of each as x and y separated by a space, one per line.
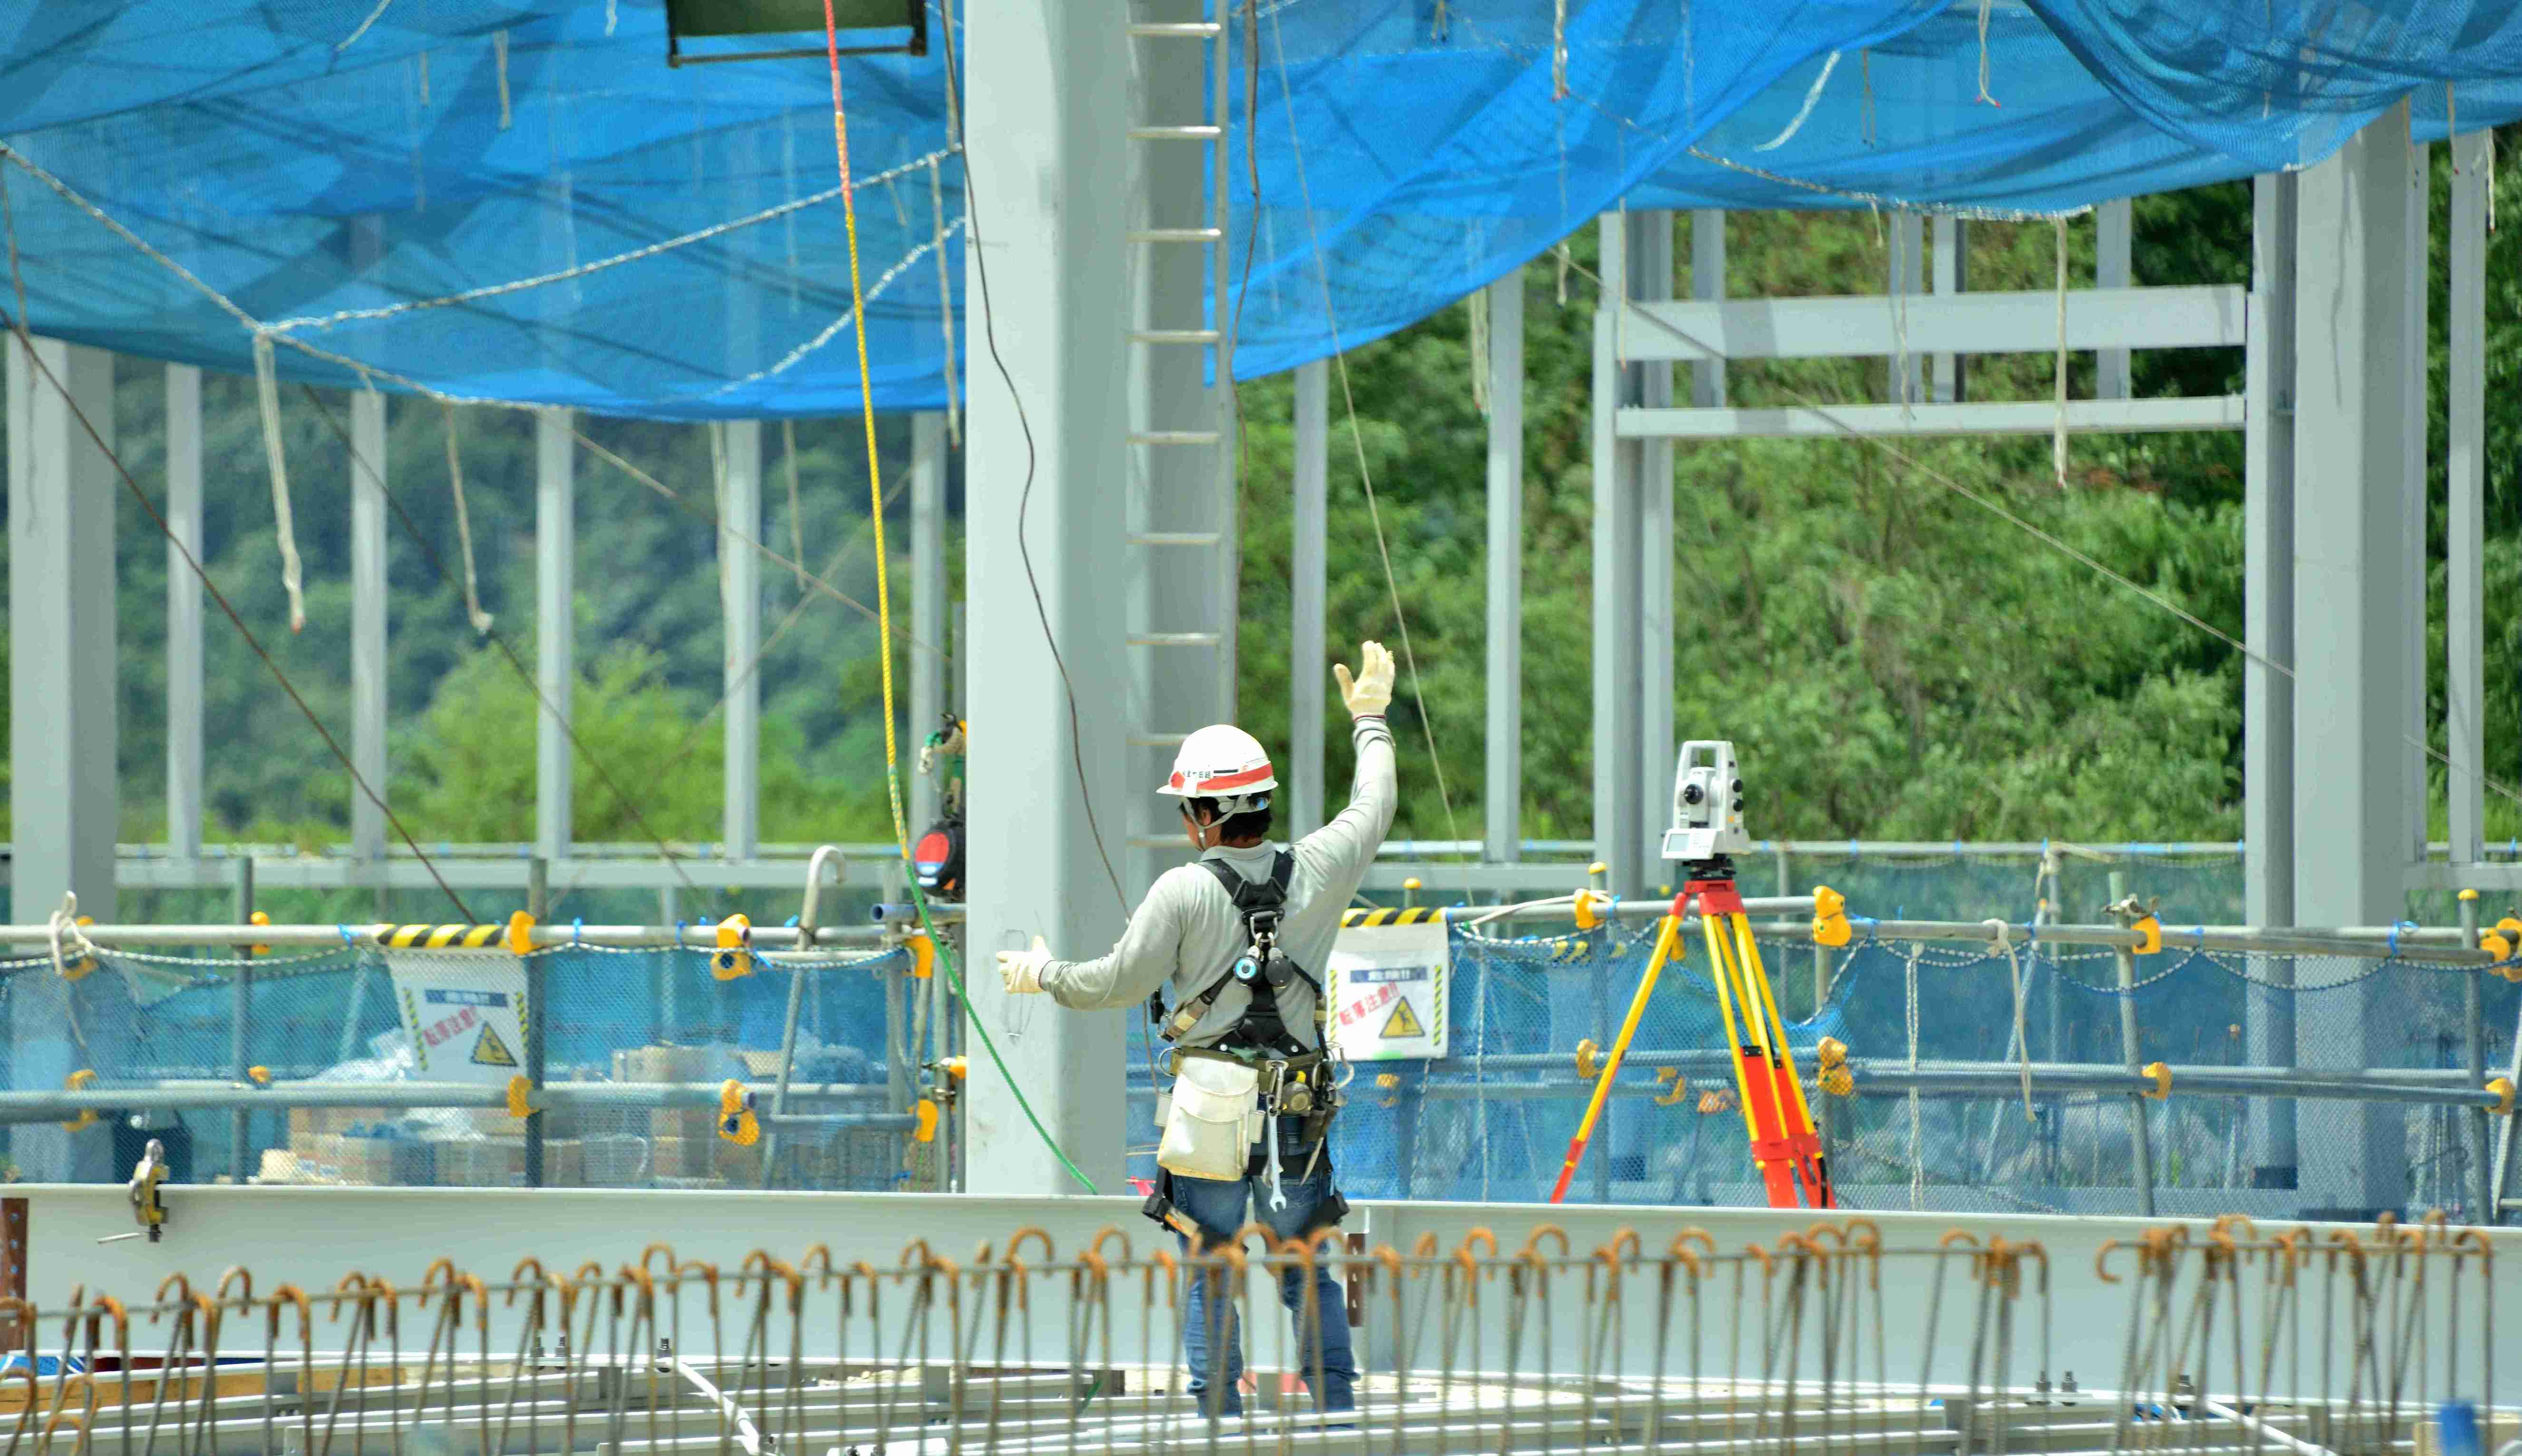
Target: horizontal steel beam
188 1095
773 939
2206 316
1842 421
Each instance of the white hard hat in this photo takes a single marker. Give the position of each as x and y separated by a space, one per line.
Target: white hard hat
1226 763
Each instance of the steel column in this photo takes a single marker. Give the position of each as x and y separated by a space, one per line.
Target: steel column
928 706
1905 240
1618 757
1501 789
183 611
1651 279
739 516
555 628
1308 588
2268 693
1046 105
1949 264
241 1025
2415 511
2465 675
1708 286
369 603
2355 244
2114 237
64 804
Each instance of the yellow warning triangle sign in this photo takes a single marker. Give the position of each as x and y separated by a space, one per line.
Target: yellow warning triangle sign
1402 1022
491 1051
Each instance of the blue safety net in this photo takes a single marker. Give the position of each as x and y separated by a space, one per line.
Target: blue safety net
519 200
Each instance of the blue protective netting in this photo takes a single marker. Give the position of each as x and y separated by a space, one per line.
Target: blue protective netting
1407 152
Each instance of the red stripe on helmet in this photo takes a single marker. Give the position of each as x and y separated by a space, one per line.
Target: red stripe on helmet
1235 780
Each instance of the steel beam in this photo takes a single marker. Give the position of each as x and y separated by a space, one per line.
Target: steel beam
2114 237
1844 421
2352 252
370 600
2465 480
1949 262
1502 788
1046 106
555 628
183 611
1308 588
2190 316
2267 689
1708 286
64 795
739 507
1650 280
2414 509
928 589
1619 762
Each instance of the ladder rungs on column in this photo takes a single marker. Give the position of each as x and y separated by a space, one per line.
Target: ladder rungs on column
1175 538
1173 639
1156 740
1174 438
1175 234
1192 29
1176 133
1173 335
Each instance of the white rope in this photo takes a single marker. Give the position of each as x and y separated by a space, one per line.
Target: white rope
944 290
2058 441
796 517
1983 7
374 16
797 355
473 611
62 925
499 50
1811 96
1559 52
2014 968
1917 1167
267 393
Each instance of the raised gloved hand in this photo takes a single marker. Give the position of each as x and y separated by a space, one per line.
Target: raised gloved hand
1021 970
1370 692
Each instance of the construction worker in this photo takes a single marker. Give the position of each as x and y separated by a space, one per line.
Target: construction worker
1207 932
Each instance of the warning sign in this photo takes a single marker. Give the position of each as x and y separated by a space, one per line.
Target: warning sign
463 1011
1387 990
491 1051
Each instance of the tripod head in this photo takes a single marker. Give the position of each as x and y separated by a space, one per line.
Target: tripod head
1706 810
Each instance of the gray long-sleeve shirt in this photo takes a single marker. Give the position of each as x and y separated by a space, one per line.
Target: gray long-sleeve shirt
1187 930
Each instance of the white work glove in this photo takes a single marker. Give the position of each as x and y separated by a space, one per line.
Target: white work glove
1370 692
1021 970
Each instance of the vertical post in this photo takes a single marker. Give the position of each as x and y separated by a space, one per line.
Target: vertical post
536 1015
2268 693
928 706
1502 789
1708 286
2351 602
2415 513
2140 1142
1308 588
739 516
1907 242
1950 267
1618 761
555 628
2464 676
2114 237
241 1023
1047 110
1650 280
63 791
185 613
2473 1021
368 608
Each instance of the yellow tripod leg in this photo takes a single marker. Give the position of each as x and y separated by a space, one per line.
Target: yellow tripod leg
1667 934
1801 1127
1721 965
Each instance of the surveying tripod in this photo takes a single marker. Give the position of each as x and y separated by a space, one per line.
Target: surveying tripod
1707 828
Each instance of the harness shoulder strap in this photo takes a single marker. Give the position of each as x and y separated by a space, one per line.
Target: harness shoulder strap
1249 895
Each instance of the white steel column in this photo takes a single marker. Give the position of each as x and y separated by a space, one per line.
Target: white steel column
183 611
1046 107
62 792
1650 280
1707 285
2352 596
2268 625
1308 590
929 706
2465 675
1618 759
1502 787
2415 511
1907 242
740 519
555 628
1949 264
2114 237
369 612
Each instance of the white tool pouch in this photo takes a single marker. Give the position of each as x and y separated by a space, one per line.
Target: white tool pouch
1216 1118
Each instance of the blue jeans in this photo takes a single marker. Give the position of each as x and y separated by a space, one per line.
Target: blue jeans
1217 1206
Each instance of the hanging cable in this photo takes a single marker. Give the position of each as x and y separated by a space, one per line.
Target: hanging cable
796 512
884 602
473 611
267 392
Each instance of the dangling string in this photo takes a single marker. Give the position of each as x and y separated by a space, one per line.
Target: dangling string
1559 52
499 48
473 611
266 387
1984 6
